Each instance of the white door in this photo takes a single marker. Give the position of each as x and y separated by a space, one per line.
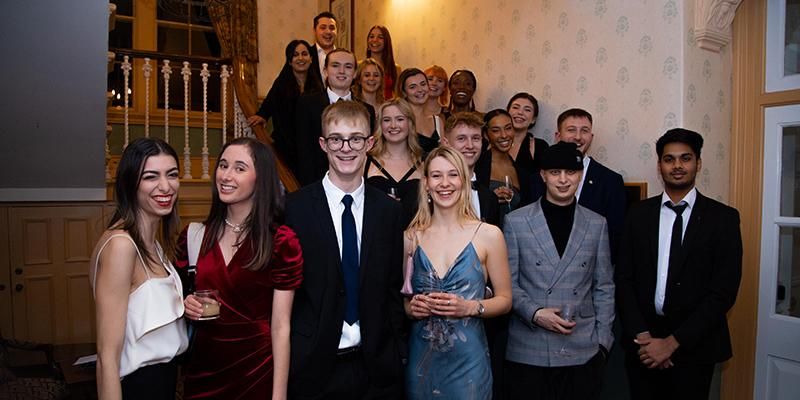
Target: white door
778 343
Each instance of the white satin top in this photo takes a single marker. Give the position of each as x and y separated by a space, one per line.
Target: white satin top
155 331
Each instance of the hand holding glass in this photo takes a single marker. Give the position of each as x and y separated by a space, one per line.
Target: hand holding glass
210 300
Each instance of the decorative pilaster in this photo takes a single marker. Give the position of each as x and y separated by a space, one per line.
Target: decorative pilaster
126 73
712 23
187 151
147 69
224 75
204 74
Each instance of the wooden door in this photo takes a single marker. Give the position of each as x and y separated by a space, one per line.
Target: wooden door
50 248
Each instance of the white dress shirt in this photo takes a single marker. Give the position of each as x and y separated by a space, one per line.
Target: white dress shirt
351 334
665 222
586 161
333 97
476 202
322 55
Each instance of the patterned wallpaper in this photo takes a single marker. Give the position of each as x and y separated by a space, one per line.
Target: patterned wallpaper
631 63
280 23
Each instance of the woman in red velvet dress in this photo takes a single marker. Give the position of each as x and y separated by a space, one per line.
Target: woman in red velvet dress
256 264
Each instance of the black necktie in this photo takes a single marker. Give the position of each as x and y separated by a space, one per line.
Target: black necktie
350 261
676 242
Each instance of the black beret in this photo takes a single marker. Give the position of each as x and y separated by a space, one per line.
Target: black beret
562 155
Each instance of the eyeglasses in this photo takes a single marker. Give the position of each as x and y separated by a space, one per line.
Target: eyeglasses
335 143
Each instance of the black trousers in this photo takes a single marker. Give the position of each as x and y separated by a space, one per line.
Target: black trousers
685 382
350 380
153 382
579 382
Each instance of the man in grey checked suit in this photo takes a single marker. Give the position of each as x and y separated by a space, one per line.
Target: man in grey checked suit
563 288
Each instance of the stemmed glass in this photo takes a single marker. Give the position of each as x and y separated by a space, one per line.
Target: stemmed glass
510 187
568 314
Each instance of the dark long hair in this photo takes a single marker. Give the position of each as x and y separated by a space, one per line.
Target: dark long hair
286 81
266 214
387 57
126 186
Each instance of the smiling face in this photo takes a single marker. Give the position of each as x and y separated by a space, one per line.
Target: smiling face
236 175
679 166
346 164
467 140
443 183
576 130
158 186
500 133
416 89
341 67
371 79
436 86
394 125
561 185
462 88
301 59
521 111
375 41
325 33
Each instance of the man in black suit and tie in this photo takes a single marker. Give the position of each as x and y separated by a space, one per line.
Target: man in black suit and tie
462 131
340 67
347 315
678 274
324 41
601 189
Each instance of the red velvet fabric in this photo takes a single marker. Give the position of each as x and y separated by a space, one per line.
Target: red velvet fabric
232 355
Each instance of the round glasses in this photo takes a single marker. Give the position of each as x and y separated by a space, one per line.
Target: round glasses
336 143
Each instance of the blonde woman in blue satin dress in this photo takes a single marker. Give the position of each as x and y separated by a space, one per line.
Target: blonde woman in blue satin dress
453 255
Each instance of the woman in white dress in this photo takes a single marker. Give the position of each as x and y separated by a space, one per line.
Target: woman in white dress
138 294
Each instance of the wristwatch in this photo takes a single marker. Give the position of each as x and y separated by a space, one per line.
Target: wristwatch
481 309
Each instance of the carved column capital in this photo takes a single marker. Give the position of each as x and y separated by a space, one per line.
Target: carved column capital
712 23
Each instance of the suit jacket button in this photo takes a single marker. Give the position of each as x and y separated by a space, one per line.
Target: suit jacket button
678 284
575 291
341 292
549 291
538 263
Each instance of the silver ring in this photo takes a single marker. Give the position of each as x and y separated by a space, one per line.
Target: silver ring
448 302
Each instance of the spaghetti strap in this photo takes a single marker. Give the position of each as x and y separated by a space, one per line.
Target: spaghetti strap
97 260
476 231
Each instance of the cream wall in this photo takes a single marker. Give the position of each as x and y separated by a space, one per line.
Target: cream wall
631 63
279 23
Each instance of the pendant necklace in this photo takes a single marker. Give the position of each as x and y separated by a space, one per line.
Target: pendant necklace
237 228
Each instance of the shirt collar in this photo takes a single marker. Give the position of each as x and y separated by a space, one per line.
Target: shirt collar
333 97
335 194
689 199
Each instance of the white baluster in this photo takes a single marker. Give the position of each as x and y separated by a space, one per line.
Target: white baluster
237 126
224 75
126 73
166 71
147 68
204 74
187 152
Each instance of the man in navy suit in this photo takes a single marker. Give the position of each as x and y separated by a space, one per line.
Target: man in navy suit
679 268
340 68
348 313
324 42
601 189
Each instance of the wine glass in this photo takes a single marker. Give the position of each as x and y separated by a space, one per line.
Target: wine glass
568 314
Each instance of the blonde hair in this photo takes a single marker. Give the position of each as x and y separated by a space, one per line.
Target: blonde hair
425 211
358 90
344 110
412 142
439 72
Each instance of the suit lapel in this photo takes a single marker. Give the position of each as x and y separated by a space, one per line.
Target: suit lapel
368 227
654 214
588 189
322 213
579 228
541 232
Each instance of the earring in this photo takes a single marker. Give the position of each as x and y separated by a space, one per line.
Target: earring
429 197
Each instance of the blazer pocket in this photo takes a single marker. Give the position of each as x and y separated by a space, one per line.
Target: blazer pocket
587 310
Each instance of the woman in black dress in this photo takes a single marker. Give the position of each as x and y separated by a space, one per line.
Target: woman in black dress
392 164
524 109
292 81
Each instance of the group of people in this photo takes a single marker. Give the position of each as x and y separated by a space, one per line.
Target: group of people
433 252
